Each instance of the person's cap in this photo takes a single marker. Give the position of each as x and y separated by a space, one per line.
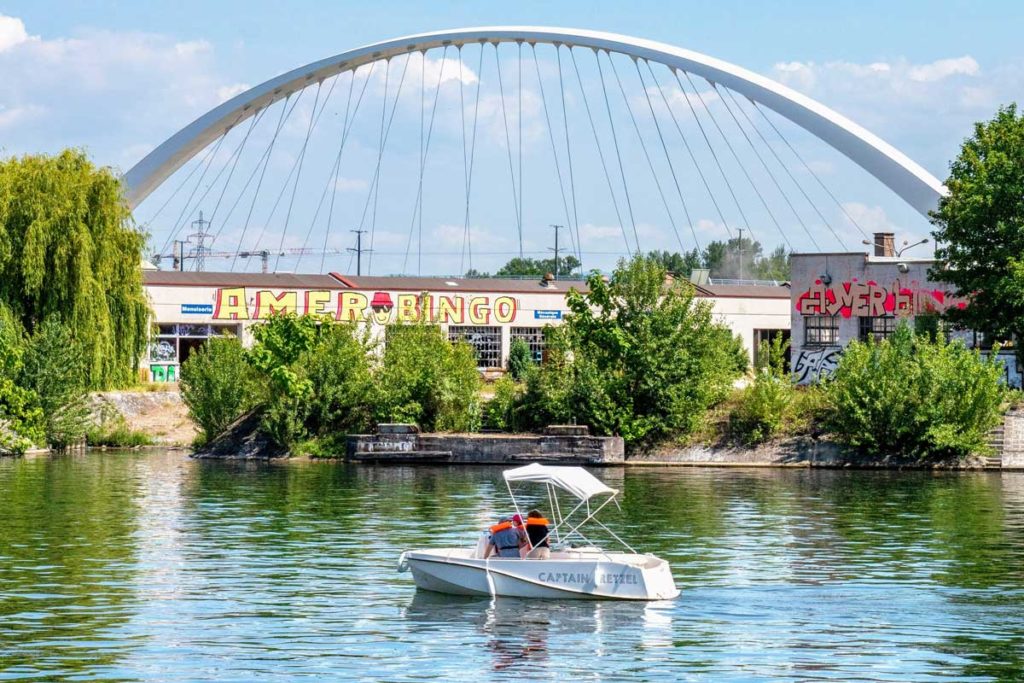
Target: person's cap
517 519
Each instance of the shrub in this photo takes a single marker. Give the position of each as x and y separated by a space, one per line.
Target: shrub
343 388
520 360
217 385
910 395
54 369
638 356
502 411
428 380
766 407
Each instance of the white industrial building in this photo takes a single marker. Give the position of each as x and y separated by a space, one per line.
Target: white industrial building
188 307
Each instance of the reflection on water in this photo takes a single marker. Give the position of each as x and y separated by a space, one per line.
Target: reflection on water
154 567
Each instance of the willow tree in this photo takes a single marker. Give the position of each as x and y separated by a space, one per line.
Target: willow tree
69 251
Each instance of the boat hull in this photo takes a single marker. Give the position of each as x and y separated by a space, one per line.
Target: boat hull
567 575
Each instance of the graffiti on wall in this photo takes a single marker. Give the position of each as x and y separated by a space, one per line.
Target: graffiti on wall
811 364
381 307
869 298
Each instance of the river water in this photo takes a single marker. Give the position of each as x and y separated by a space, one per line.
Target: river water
149 566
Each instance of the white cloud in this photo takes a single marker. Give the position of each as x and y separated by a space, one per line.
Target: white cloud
944 68
10 116
12 32
104 89
226 92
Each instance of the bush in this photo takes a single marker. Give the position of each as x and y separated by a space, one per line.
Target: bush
520 360
428 380
502 411
217 385
638 356
22 423
767 406
909 395
53 368
338 369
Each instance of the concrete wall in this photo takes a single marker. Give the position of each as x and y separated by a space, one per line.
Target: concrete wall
492 449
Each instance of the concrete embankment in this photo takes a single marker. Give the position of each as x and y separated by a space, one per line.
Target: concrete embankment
794 452
559 444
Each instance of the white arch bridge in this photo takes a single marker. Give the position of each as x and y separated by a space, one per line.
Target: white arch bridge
622 130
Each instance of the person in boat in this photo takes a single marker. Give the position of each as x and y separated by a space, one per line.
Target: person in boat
537 532
506 538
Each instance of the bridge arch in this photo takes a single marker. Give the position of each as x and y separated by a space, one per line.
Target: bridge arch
895 170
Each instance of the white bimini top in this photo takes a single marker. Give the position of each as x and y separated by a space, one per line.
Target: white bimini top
575 480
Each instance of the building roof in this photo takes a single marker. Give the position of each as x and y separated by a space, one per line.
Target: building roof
437 284
744 291
173 278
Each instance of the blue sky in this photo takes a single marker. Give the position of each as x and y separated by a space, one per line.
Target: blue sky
118 78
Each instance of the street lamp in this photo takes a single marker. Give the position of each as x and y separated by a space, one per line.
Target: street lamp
902 249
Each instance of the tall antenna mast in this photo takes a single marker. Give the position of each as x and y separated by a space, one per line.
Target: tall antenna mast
359 250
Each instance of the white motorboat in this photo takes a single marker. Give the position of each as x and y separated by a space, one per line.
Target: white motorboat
578 572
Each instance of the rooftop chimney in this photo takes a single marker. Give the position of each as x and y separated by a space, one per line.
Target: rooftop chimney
885 244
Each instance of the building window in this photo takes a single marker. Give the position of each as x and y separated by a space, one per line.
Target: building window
877 328
821 330
173 344
534 338
486 343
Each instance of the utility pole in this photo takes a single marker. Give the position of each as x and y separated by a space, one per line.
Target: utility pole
178 256
200 234
741 252
359 250
557 228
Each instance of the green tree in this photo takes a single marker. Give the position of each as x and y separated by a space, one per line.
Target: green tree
217 384
678 264
68 248
54 369
910 395
529 267
519 359
979 227
426 379
638 356
339 369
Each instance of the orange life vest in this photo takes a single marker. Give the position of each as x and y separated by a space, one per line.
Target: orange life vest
501 526
540 521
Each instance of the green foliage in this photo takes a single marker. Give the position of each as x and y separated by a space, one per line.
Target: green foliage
22 422
280 342
678 264
502 412
637 356
67 249
428 380
519 359
339 369
767 405
217 384
54 369
910 395
529 267
979 227
111 430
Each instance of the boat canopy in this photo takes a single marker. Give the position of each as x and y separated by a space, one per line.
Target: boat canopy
575 480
